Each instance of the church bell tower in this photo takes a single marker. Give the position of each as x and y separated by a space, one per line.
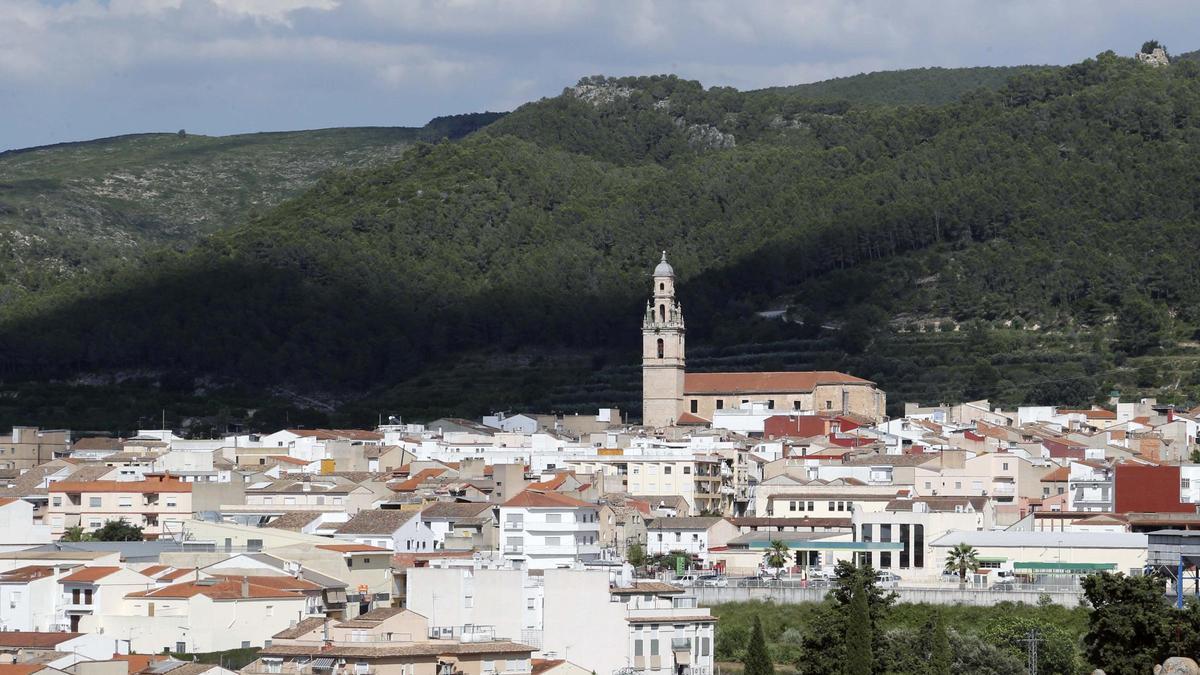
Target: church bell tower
662 351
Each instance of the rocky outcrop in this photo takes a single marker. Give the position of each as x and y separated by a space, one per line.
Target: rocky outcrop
599 94
705 136
1156 58
1177 665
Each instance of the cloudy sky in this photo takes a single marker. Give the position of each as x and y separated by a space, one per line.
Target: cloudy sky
80 69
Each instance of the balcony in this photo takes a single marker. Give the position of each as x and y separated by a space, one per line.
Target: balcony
570 526
562 549
513 548
514 525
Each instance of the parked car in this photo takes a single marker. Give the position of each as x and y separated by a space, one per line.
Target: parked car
712 580
686 580
887 579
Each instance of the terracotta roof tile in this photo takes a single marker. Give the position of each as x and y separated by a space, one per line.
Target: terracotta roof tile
536 499
27 573
223 589
34 640
87 575
765 382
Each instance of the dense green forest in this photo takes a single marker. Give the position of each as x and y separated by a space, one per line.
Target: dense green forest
73 208
1025 242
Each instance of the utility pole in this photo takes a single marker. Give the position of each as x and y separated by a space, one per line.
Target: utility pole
1031 640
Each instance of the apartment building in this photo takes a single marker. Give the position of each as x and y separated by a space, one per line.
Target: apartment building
1089 486
543 530
389 641
916 523
88 591
158 505
690 534
199 615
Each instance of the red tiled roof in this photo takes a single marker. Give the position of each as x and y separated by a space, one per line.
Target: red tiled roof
763 383
1059 475
5 501
138 662
536 499
278 582
88 574
1097 414
27 573
223 589
552 484
288 459
34 640
155 569
176 574
416 481
122 486
687 419
540 666
352 548
21 668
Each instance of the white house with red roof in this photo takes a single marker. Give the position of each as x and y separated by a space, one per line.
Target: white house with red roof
97 589
199 615
546 529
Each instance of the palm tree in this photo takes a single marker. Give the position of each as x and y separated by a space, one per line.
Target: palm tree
777 556
961 558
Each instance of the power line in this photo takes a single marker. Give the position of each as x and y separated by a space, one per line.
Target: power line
1031 640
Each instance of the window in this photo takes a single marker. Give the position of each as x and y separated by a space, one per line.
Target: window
918 546
678 536
720 404
660 537
489 666
928 485
125 502
695 406
654 648
1186 483
831 504
791 506
553 517
687 470
1004 466
1045 492
841 506
695 537
957 485
770 404
171 502
829 405
662 316
637 648
531 603
245 644
58 501
906 553
704 646
552 541
660 348
800 506
667 470
94 502
254 545
812 506
795 405
468 601
180 647
270 610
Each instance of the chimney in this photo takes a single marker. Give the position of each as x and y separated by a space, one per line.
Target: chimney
245 587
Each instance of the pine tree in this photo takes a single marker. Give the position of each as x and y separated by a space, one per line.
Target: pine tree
758 660
860 657
941 659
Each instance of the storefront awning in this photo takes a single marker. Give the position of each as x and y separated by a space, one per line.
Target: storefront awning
1062 567
323 663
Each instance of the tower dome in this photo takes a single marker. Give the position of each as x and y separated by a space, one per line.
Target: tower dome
664 268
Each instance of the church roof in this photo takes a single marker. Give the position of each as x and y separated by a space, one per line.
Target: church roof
664 268
764 383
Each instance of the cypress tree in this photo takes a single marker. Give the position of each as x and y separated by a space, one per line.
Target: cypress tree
758 660
860 657
941 659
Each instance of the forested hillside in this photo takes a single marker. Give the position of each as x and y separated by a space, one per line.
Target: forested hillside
929 86
74 207
1025 243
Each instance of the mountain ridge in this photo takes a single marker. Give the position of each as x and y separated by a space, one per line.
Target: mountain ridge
1051 202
